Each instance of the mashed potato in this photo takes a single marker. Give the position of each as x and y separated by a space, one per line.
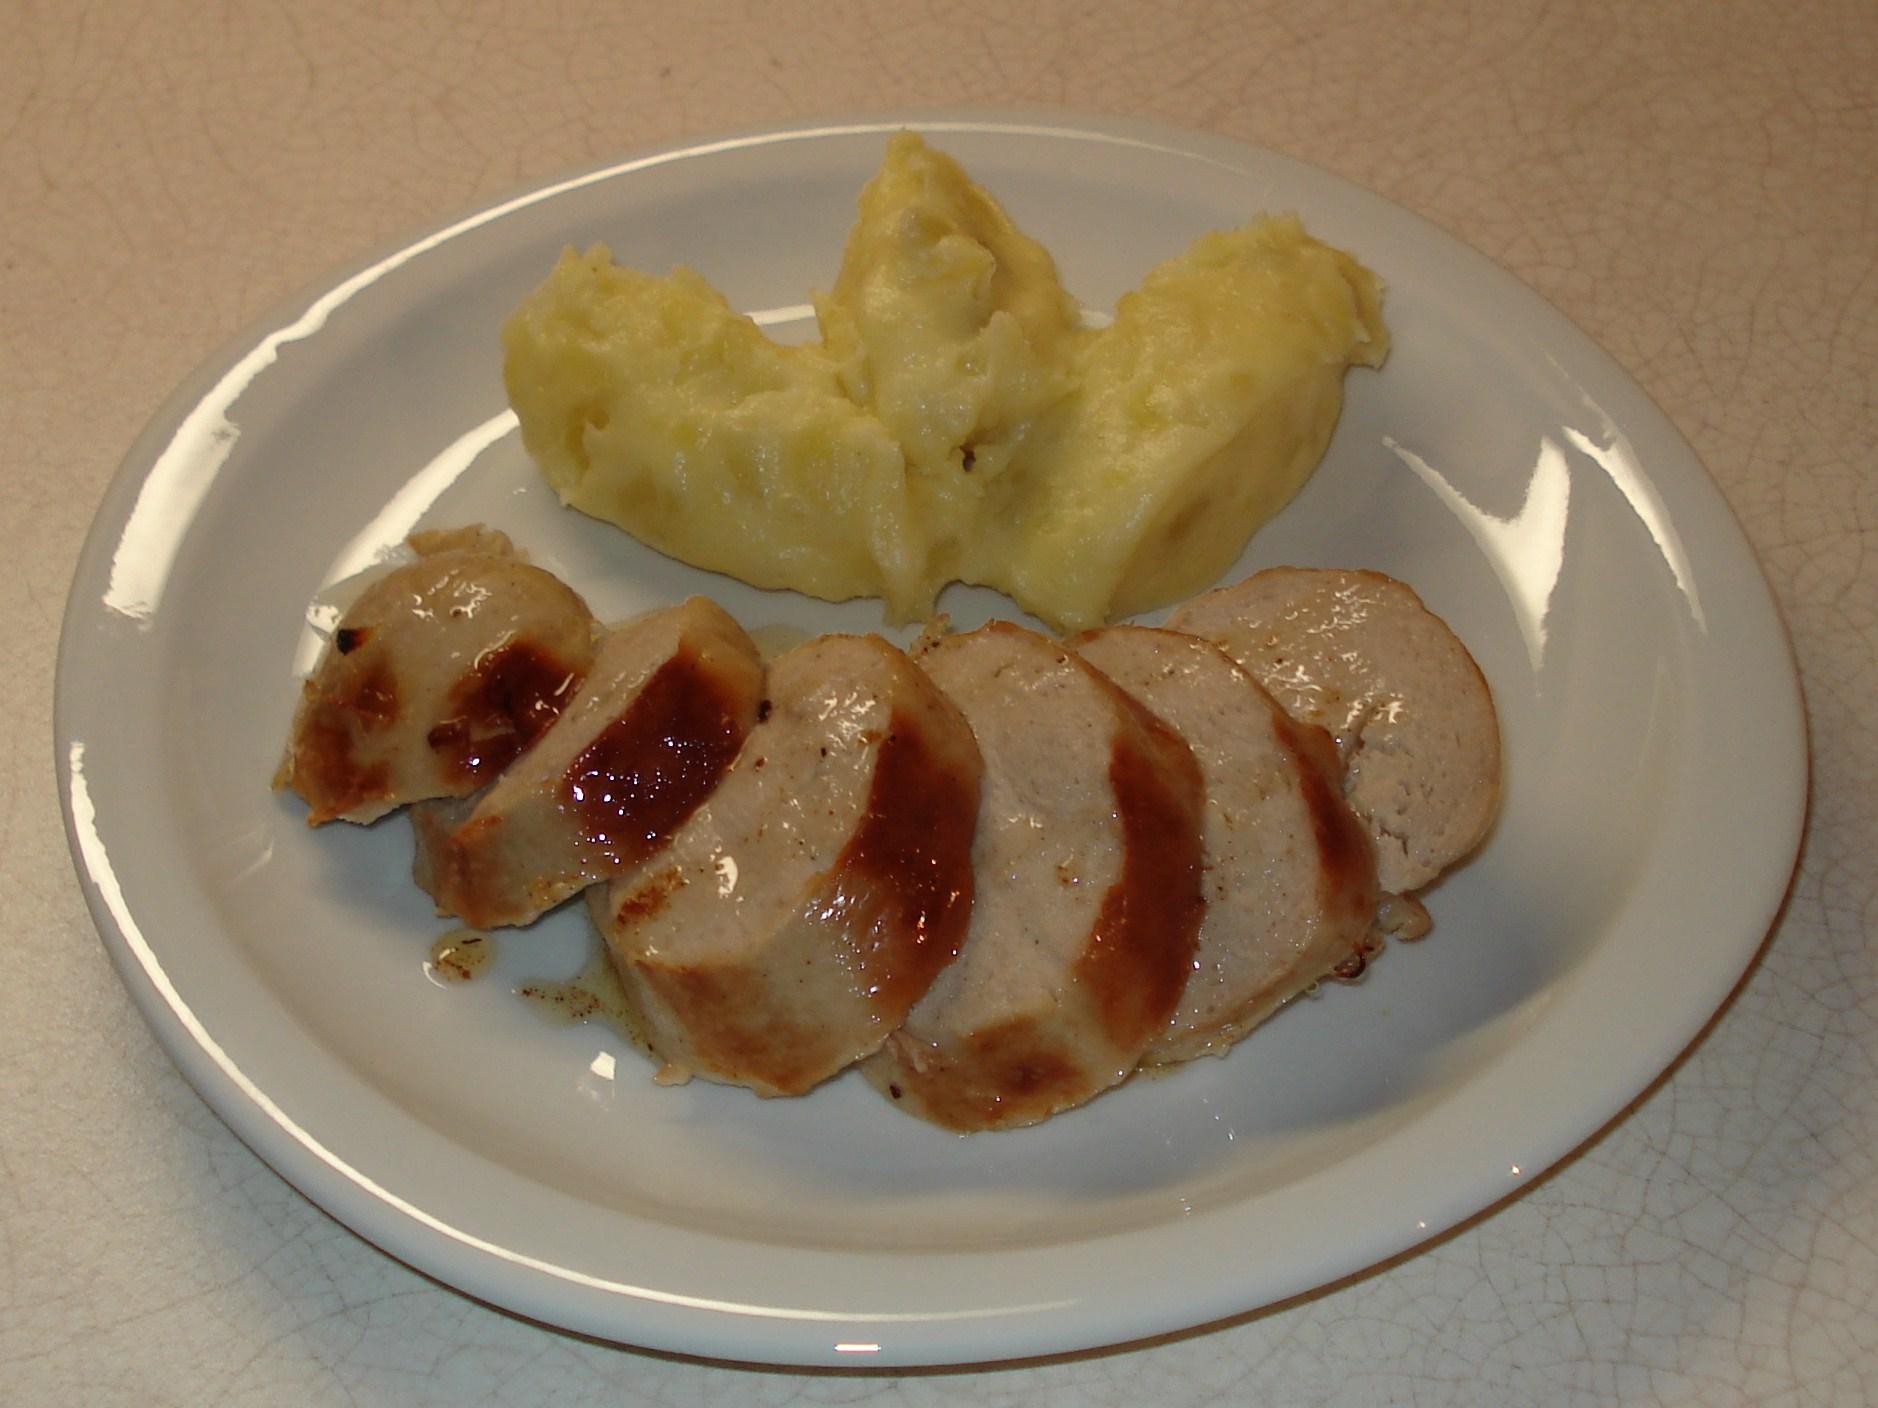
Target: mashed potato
951 326
1198 413
649 403
956 423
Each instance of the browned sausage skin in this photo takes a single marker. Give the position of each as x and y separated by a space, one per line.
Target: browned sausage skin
662 712
1290 879
437 677
1088 877
1358 654
811 901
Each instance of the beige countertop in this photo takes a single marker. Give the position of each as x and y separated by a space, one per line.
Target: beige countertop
1692 184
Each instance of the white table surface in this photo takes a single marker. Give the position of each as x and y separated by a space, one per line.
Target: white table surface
1692 183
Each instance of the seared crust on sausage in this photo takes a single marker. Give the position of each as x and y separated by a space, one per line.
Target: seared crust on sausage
1000 875
662 712
1290 879
1088 865
1358 654
809 903
436 678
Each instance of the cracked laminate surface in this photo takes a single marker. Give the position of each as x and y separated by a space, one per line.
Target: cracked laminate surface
1692 183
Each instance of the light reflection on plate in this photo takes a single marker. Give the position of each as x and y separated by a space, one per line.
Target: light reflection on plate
1499 463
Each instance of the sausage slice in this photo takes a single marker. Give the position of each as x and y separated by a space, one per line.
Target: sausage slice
1358 654
664 708
1290 877
1088 866
439 675
810 902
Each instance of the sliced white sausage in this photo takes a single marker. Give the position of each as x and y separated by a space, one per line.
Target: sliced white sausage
1358 654
808 904
1088 892
1290 879
436 678
663 710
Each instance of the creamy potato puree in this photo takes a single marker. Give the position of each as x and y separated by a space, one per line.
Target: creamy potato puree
955 423
951 326
650 403
1197 414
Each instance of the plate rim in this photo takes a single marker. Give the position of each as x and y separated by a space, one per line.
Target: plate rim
480 1271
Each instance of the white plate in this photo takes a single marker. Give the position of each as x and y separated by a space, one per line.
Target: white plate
1500 463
